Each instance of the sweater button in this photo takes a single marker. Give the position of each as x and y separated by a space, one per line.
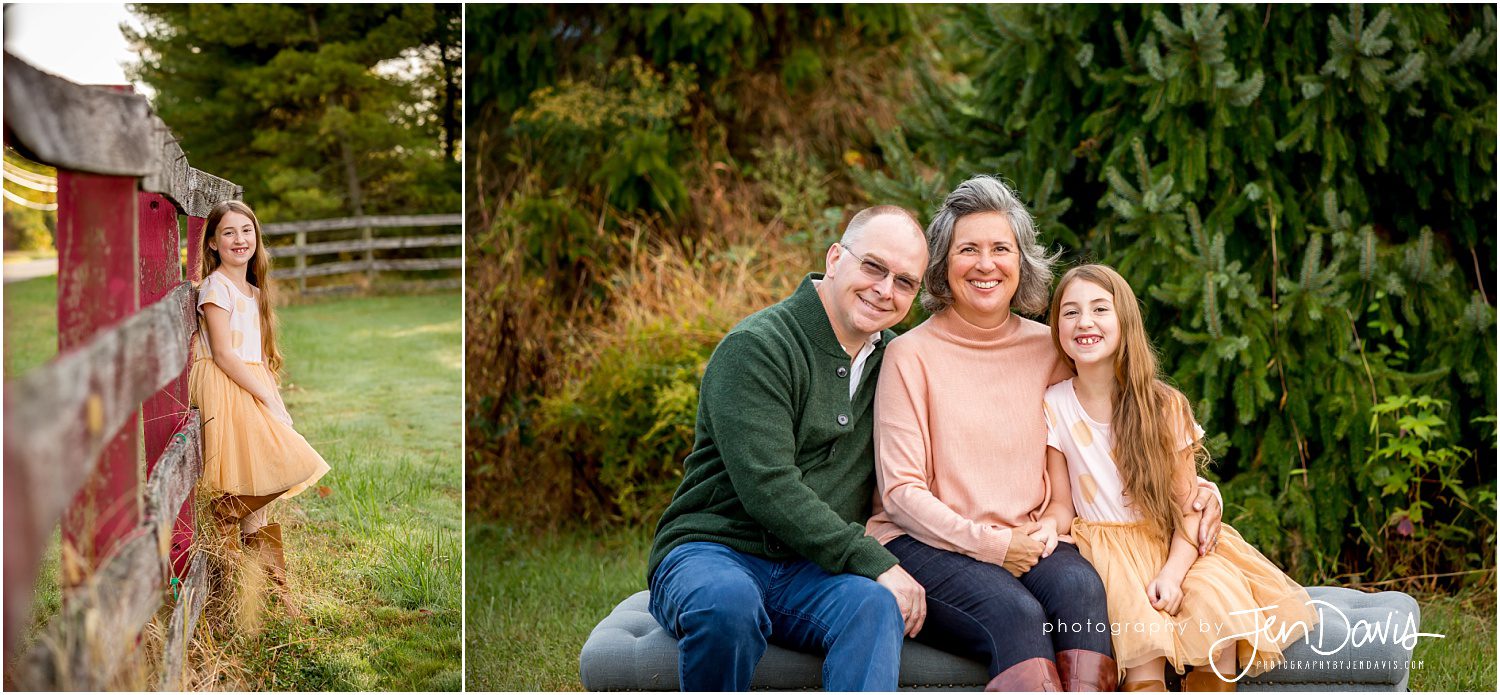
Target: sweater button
843 420
843 372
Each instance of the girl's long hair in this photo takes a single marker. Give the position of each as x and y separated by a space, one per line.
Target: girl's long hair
1149 417
258 275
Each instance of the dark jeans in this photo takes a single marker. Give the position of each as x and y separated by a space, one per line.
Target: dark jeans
723 605
979 610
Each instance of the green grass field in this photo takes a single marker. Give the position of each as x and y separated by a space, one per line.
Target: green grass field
374 384
533 598
30 324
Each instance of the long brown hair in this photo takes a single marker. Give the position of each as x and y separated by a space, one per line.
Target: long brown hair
258 275
1149 415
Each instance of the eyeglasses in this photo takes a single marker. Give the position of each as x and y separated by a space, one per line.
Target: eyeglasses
905 284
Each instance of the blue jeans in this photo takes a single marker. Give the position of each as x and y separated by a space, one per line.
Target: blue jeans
723 606
978 609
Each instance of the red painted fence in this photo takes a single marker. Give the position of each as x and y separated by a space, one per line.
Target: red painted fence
101 440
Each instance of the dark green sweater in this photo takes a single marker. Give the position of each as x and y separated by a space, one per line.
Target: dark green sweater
783 464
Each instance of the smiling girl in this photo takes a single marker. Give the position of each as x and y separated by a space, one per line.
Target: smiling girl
1132 452
251 454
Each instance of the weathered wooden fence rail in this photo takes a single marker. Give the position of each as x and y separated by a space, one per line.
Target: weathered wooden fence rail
101 439
367 245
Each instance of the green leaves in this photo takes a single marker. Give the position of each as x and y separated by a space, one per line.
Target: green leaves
614 133
1299 197
638 174
1422 486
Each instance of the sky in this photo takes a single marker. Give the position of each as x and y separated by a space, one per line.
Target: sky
80 42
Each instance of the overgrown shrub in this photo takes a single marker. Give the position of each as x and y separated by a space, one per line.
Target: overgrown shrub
613 133
627 423
28 229
623 418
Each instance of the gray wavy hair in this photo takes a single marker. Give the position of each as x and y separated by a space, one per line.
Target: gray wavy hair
986 193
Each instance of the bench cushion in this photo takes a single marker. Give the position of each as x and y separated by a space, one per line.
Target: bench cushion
628 650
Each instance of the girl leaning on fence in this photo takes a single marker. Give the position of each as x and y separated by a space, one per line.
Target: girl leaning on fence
251 454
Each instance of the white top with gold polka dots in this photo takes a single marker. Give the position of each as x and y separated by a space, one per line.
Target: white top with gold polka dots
244 317
1098 490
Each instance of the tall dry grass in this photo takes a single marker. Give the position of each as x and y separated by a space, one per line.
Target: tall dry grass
237 597
536 354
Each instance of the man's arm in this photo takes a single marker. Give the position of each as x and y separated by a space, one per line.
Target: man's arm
751 418
1211 503
1205 495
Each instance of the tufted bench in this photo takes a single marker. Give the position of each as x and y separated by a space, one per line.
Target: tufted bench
628 650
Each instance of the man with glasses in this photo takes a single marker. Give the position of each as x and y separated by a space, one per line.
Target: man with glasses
764 540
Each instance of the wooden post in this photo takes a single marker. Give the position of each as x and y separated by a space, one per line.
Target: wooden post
367 234
97 286
166 412
195 248
160 273
301 263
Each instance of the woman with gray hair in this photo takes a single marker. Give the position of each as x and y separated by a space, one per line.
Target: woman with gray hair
965 499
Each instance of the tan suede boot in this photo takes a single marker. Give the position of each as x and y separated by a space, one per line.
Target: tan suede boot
227 510
224 510
1036 675
266 543
1145 687
1204 681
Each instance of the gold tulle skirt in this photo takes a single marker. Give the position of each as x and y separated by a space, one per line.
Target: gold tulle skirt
246 450
1232 597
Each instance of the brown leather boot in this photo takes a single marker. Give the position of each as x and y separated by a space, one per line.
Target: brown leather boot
266 543
1036 675
1083 671
1202 680
1145 687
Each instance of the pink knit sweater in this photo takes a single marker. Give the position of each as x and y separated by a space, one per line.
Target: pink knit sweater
960 438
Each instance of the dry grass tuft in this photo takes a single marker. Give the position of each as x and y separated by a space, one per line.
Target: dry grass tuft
233 608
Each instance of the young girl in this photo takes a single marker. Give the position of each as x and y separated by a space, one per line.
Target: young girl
1132 452
251 453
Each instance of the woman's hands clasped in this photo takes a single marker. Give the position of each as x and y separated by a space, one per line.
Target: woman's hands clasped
1046 535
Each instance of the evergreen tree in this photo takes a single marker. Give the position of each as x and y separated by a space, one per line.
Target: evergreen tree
1304 198
317 110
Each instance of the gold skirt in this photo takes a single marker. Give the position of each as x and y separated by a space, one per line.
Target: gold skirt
246 450
1233 596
